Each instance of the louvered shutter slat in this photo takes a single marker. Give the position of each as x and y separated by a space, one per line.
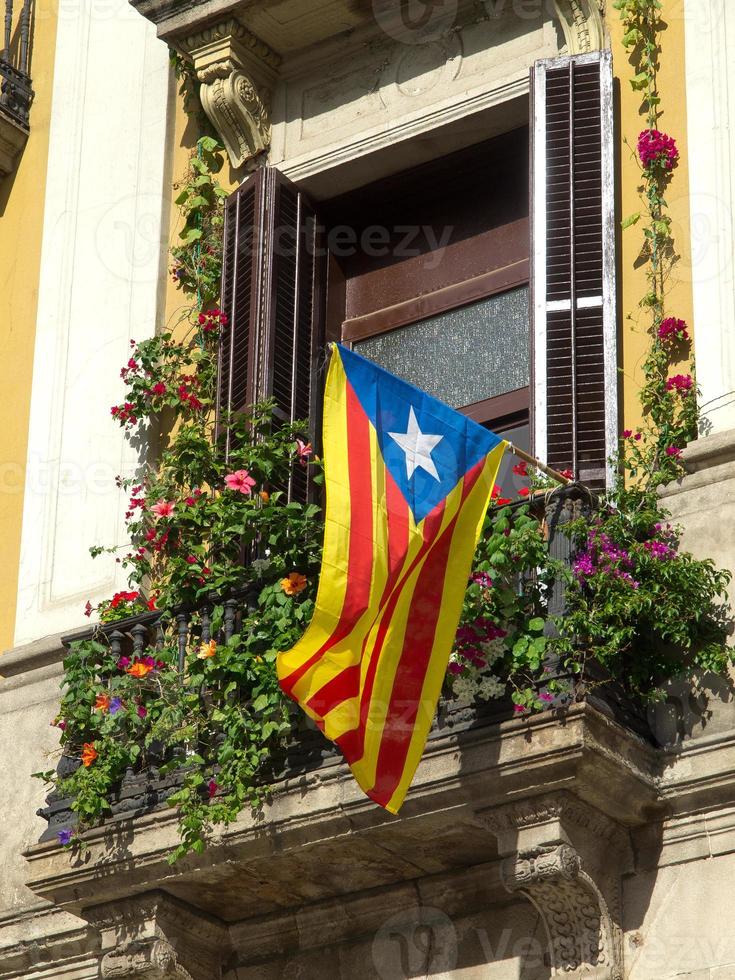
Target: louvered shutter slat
273 291
575 337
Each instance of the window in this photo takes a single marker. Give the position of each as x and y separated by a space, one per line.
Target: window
431 274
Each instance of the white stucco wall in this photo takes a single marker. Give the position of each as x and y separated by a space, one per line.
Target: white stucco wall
102 259
710 75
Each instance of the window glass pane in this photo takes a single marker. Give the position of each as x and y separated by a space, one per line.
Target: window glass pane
464 355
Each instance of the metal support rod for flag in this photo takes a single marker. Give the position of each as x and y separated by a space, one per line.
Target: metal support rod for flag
537 464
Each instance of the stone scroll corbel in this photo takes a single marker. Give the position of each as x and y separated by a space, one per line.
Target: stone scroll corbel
583 24
566 859
156 937
237 72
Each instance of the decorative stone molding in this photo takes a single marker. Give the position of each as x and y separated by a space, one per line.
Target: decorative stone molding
237 71
567 858
159 938
583 24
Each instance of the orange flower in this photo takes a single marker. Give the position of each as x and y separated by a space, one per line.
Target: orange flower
139 670
89 754
207 650
103 702
294 583
265 496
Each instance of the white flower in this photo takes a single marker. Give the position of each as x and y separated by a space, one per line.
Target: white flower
493 650
464 688
490 688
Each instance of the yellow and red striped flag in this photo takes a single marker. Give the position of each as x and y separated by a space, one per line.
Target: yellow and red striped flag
408 481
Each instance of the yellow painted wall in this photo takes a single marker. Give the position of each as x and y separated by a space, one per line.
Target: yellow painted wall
672 84
21 229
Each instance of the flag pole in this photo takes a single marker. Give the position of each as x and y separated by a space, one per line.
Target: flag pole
537 464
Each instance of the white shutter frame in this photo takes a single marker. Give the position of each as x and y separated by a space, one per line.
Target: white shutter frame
607 301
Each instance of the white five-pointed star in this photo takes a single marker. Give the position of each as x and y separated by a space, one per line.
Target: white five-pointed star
417 446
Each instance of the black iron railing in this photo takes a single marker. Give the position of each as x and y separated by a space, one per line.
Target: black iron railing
146 788
16 93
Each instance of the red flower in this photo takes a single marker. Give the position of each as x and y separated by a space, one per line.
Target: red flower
159 388
521 469
523 492
88 609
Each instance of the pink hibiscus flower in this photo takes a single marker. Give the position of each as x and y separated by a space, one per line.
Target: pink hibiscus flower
241 481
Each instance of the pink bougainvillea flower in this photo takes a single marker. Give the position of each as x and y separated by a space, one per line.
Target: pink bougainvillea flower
164 508
627 433
88 609
682 383
241 481
455 668
655 148
141 711
546 697
482 579
159 388
212 787
673 451
673 329
518 709
191 559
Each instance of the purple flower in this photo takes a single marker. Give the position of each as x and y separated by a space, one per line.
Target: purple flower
115 706
64 836
584 565
657 549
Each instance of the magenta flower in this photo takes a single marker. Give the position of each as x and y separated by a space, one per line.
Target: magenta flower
212 787
482 579
657 549
88 609
141 711
518 709
627 433
657 149
673 329
164 508
584 565
546 697
241 481
681 383
455 668
123 663
673 451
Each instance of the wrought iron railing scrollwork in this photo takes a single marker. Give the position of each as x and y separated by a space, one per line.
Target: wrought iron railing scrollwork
16 93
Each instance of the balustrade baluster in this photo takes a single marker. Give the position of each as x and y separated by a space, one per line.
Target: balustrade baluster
116 642
230 614
25 26
182 623
140 634
8 29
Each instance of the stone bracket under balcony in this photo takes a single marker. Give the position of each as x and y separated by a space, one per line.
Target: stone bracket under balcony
567 859
159 938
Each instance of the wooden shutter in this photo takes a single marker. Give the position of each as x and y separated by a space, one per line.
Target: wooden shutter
274 293
575 417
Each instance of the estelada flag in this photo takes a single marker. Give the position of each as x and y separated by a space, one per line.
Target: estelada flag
408 481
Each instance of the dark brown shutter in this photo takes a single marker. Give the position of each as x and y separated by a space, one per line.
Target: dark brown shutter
573 256
274 292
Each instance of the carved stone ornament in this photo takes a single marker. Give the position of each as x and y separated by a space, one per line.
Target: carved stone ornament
154 959
583 24
236 70
156 937
556 850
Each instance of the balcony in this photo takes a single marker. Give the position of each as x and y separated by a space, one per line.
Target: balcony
16 94
501 810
